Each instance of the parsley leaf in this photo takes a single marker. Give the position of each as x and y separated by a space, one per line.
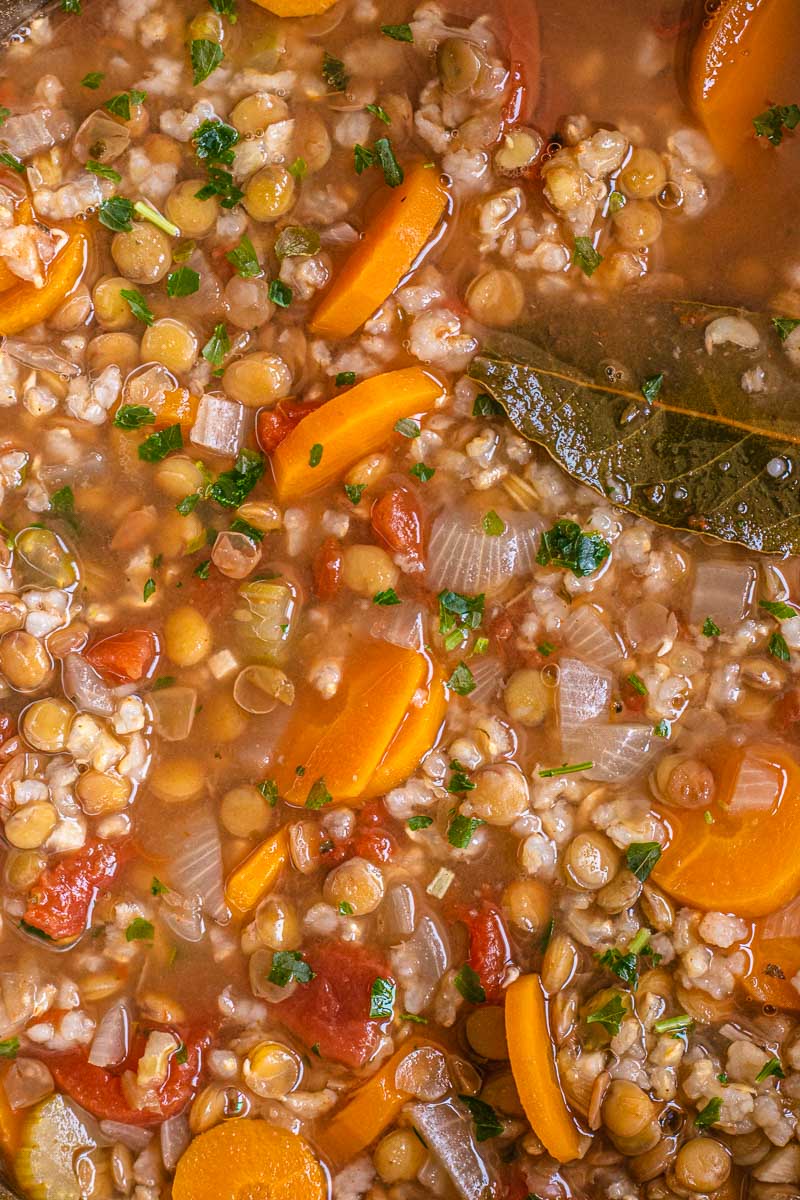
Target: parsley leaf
377 111
296 241
120 105
362 158
62 502
280 293
567 546
116 213
9 1047
334 73
386 598
710 1114
398 33
139 930
217 347
244 260
149 589
778 609
288 965
392 171
493 525
624 966
157 888
785 326
159 445
486 1121
345 379
220 183
468 982
134 416
407 427
771 1067
269 790
205 57
225 8
421 472
638 684
772 122
11 160
214 141
318 795
461 830
641 857
354 491
381 999
103 172
419 822
315 454
183 282
778 647
462 681
93 80
710 628
652 386
585 256
233 487
610 1015
138 305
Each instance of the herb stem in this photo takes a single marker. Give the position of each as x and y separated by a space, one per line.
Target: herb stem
147 213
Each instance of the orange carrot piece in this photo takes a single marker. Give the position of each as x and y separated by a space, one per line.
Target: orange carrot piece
339 433
367 1112
341 741
533 1065
758 847
178 408
24 305
742 61
249 1158
395 238
418 732
775 962
296 8
259 872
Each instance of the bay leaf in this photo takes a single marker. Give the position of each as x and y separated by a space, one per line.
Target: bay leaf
704 456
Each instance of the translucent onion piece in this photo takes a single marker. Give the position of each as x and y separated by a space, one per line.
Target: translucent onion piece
265 625
219 425
100 138
420 962
36 130
26 1082
19 992
183 915
175 1137
397 916
526 528
784 923
463 558
584 694
132 1136
193 845
235 554
723 591
757 788
586 635
446 1129
174 710
46 554
148 385
13 772
617 752
259 689
403 625
423 1074
85 688
112 1037
651 628
488 676
41 358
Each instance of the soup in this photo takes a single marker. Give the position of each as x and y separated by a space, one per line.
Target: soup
398 641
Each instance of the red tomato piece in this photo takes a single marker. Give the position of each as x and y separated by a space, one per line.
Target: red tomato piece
128 655
274 424
371 839
332 1011
489 948
100 1090
397 521
327 569
60 902
787 710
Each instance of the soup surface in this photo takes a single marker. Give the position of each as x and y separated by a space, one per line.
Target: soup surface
384 812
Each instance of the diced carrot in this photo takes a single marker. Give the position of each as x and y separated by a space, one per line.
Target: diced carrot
339 743
416 735
24 305
178 408
249 1158
774 963
533 1065
296 8
273 425
353 424
126 655
368 1112
757 847
259 872
397 520
393 241
743 59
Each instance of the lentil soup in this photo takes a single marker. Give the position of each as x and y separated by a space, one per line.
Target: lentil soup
399 777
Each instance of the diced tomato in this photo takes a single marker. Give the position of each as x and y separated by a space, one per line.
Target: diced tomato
489 948
371 839
787 710
327 569
274 424
60 902
397 521
128 655
634 700
332 1011
100 1090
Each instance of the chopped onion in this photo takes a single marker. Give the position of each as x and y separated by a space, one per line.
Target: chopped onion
758 787
13 772
132 1136
174 710
584 694
148 385
20 994
85 687
175 1137
397 915
183 915
586 635
403 625
440 883
423 1074
651 628
27 133
463 557
193 845
617 752
101 138
41 358
784 923
112 1037
722 590
526 528
340 234
219 425
235 554
26 1082
420 962
488 676
446 1129
259 689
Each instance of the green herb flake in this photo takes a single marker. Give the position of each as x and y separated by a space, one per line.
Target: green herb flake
121 104
778 609
610 1015
565 769
651 387
485 1119
244 260
568 547
138 305
414 1018
385 158
182 1054
546 649
419 822
461 830
220 183
362 158
710 1114
380 113
203 569
398 33
779 648
381 999
318 794
71 6
158 445
334 73
280 293
354 492
226 9
663 729
641 857
188 504
9 1047
218 346
239 525
139 930
459 780
386 598
232 487
205 56
785 326
771 1067
149 588
157 888
345 379
407 427
62 502
103 172
681 1023
288 965
468 982
269 790
493 525
585 256
296 241
637 684
93 80
116 214
774 120
421 472
164 681
214 141
624 966
315 454
183 282
616 202
710 628
11 160
485 405
462 681
345 909
298 168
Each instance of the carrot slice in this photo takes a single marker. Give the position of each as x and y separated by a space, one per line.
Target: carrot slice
24 305
369 1111
259 872
178 408
394 239
340 743
296 8
757 847
775 962
740 64
533 1065
339 433
418 732
242 1159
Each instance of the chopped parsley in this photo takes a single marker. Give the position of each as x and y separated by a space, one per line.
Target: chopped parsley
774 120
362 158
134 416
461 830
214 141
381 999
149 589
616 202
485 1119
120 105
610 1015
651 387
269 790
567 546
386 598
318 794
398 33
217 347
232 487
354 492
9 1047
663 729
203 569
239 525
11 160
421 472
565 769
493 525
407 427
157 888
637 684
139 930
334 73
641 857
585 256
244 260
462 681
158 445
459 780
93 80
624 966
345 379
315 454
205 57
377 111
62 502
385 158
220 183
778 647
296 241
710 628
710 1114
771 1067
138 305
778 609
280 293
785 326
116 214
288 965
468 982
225 8
103 172
419 822
298 168
345 909
183 282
